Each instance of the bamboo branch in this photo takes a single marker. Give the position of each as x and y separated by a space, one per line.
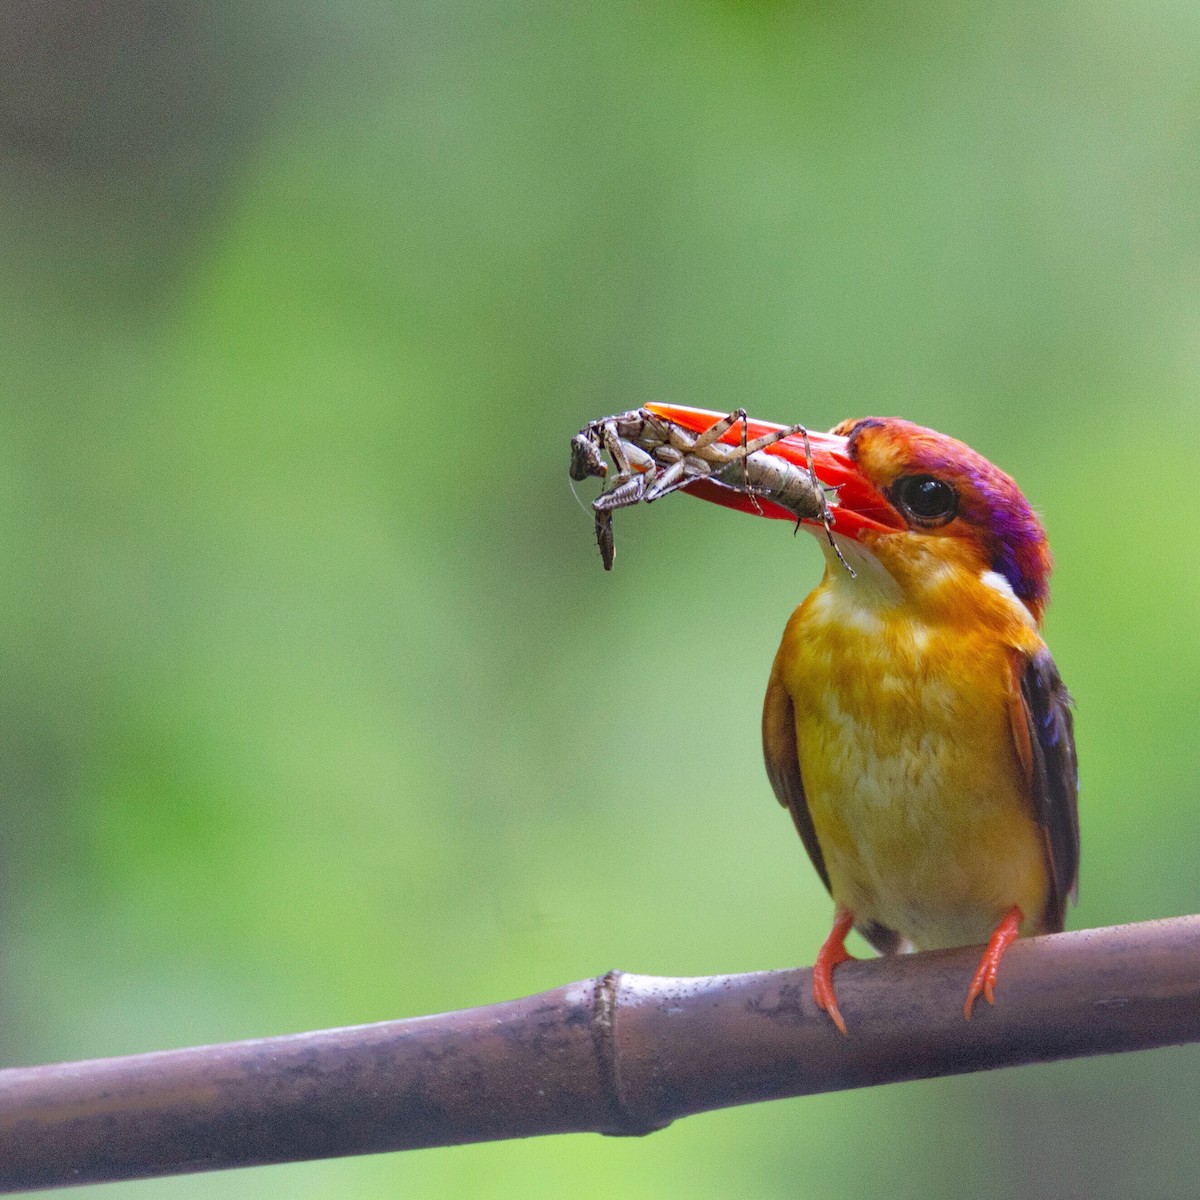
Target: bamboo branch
620 1054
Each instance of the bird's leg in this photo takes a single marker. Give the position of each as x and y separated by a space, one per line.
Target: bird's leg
985 977
829 956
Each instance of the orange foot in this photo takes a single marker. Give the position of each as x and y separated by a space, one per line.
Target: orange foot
830 955
985 977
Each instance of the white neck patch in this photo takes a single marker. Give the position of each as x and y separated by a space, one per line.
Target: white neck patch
872 583
998 583
873 588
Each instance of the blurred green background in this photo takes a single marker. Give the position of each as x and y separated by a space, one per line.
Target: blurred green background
317 707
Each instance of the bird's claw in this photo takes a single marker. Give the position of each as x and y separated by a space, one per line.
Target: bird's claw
984 981
832 954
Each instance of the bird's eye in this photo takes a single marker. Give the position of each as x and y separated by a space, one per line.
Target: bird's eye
925 500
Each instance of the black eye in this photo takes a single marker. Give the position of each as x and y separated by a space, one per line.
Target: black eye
925 500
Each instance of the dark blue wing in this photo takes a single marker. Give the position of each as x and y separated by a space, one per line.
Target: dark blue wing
1055 777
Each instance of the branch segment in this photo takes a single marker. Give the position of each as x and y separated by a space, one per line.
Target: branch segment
620 1054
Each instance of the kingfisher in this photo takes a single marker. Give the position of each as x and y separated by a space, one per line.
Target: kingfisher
915 725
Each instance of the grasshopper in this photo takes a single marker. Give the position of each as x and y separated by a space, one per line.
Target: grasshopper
655 454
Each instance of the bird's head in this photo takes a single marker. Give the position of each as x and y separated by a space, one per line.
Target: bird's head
933 513
931 510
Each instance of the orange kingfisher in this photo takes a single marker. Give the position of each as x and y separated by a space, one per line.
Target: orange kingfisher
915 725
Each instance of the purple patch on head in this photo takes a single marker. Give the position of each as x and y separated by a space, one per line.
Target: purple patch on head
1018 545
1012 534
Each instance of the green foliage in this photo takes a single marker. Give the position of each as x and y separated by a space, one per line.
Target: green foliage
317 707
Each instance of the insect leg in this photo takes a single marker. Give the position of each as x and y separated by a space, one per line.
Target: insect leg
718 429
826 514
671 480
616 449
675 476
604 537
769 439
